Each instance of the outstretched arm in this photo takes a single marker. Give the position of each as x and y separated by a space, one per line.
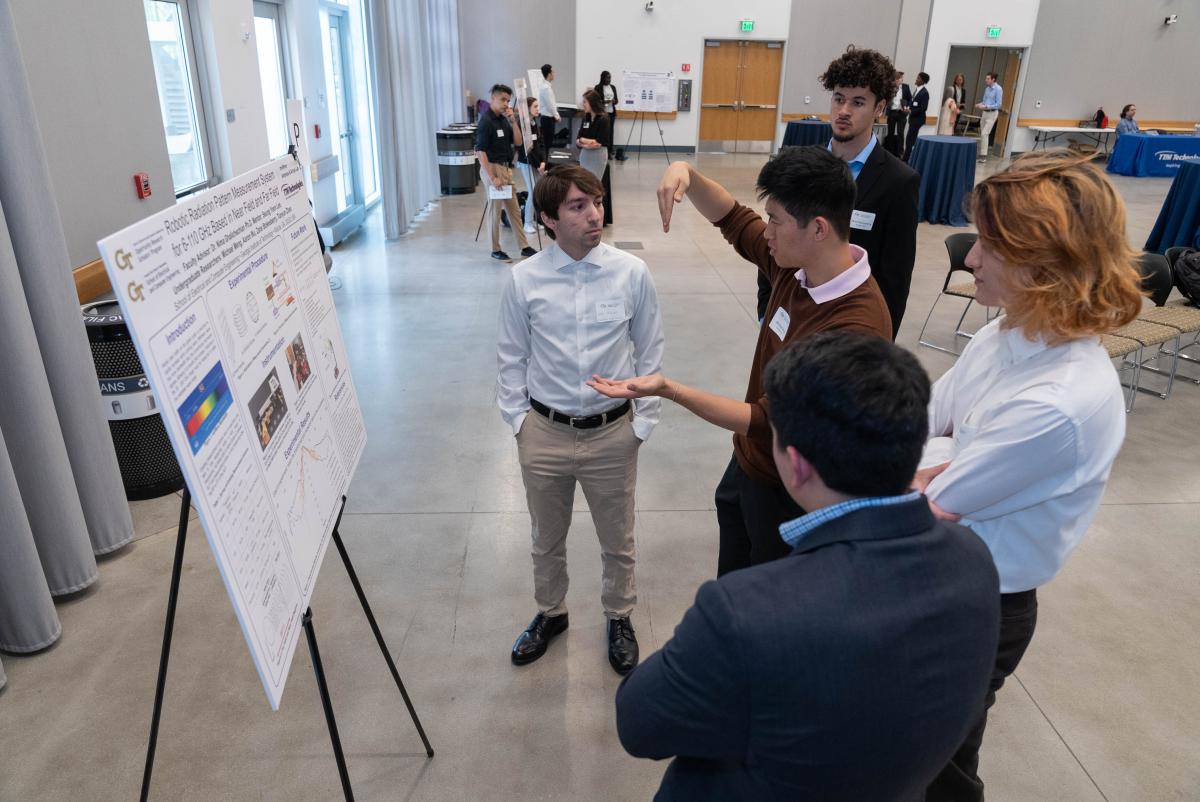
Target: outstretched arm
710 198
716 409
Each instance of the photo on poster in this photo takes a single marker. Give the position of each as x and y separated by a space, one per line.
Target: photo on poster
279 289
268 408
297 359
204 407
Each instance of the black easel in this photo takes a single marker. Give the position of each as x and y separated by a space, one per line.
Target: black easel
641 115
311 636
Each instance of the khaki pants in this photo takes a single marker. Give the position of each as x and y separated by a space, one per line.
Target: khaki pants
604 462
504 173
987 122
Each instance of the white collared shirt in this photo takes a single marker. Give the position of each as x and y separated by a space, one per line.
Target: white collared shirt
1031 432
562 321
845 282
549 108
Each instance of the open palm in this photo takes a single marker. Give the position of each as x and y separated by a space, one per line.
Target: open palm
637 387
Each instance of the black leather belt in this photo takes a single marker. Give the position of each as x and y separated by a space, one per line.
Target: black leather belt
588 422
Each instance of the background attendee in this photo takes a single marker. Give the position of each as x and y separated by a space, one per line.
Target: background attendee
549 114
850 669
897 116
949 113
916 114
608 93
531 158
579 307
959 88
993 99
819 282
885 221
595 143
1026 425
495 137
1127 125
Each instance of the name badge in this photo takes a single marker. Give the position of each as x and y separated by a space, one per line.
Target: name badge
533 136
863 221
500 135
587 125
779 324
608 311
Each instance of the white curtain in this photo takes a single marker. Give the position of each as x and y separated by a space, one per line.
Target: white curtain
419 78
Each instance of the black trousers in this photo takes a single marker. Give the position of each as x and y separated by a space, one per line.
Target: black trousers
894 141
547 132
910 142
749 514
959 780
607 184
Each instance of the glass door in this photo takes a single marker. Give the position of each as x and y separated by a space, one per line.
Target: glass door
341 126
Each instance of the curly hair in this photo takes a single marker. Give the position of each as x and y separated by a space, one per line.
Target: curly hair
862 67
1059 224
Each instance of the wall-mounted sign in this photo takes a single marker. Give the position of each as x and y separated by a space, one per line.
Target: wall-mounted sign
747 26
993 32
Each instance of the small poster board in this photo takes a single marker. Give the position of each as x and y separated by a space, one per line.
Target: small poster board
647 91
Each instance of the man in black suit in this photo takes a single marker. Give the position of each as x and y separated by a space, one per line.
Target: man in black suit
897 116
885 212
852 668
916 114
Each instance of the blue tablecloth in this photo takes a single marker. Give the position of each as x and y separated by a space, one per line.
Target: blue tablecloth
807 132
1179 220
1152 155
947 168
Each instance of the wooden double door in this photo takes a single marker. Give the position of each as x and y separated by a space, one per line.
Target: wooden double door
739 96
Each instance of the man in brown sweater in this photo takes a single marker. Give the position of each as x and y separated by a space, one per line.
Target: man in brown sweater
819 282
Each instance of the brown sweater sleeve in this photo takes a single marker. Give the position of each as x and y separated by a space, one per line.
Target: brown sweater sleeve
743 229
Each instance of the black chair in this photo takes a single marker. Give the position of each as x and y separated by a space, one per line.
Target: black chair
957 248
1180 314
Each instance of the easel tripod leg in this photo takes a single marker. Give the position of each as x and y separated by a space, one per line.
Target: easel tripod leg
327 704
387 655
168 629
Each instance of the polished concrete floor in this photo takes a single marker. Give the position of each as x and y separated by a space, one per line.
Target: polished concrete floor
1104 706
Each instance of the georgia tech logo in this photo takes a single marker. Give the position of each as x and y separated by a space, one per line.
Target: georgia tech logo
123 259
135 291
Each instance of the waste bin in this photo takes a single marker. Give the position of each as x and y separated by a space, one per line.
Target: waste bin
457 162
148 465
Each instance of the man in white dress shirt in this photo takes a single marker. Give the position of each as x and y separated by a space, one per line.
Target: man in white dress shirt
1026 425
578 308
548 117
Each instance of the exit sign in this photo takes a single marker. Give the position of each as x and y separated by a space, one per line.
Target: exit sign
993 32
747 25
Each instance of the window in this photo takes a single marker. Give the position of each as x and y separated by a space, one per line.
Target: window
178 92
272 72
352 102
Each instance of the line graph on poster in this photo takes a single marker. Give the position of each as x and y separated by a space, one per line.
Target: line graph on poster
305 493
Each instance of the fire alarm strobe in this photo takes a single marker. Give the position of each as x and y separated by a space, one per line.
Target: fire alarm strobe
141 183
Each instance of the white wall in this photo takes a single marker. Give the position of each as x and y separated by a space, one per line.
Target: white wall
965 22
624 36
304 21
502 39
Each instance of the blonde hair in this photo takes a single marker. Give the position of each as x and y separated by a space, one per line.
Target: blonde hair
1060 224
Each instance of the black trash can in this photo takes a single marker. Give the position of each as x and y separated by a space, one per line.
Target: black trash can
457 163
148 465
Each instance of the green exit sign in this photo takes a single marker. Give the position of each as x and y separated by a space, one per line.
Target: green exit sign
747 25
993 32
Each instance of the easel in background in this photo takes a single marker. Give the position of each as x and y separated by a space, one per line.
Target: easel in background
641 115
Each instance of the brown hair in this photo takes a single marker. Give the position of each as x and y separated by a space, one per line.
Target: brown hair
1059 224
595 102
552 189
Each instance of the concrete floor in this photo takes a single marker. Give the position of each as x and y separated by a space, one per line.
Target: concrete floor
1104 705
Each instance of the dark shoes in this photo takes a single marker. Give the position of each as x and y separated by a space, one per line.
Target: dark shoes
622 645
528 251
501 255
533 641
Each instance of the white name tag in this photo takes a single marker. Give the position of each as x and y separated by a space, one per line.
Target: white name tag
779 324
608 311
533 136
499 133
864 221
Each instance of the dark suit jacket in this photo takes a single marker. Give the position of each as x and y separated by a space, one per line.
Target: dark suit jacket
919 105
886 188
849 670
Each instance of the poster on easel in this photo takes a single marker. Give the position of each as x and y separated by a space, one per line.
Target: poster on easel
226 299
528 125
648 91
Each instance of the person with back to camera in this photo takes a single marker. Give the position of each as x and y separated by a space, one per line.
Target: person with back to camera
549 108
949 115
595 143
849 670
1025 426
532 161
494 141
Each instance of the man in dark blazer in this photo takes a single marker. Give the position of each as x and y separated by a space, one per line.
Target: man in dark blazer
916 114
897 116
852 668
885 212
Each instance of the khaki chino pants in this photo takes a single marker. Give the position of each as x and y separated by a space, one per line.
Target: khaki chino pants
504 173
553 458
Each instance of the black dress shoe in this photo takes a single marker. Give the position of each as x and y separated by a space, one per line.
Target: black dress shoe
501 255
529 250
533 641
622 645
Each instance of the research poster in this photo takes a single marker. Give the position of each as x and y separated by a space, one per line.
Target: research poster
227 301
648 91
